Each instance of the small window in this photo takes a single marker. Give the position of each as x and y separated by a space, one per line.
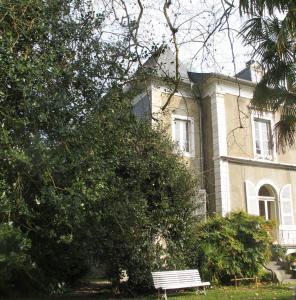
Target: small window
183 134
263 140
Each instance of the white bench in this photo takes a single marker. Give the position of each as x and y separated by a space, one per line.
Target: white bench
171 280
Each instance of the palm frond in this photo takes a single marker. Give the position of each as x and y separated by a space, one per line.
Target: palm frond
252 7
285 131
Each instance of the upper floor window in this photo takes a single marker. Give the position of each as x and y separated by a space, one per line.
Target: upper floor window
263 138
183 134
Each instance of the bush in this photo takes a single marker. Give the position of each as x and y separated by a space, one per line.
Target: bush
237 245
279 252
13 254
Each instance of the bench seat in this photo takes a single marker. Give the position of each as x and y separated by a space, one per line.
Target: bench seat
171 280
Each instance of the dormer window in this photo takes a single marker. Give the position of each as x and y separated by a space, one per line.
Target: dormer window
183 134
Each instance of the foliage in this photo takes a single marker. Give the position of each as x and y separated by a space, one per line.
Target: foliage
146 197
13 253
279 252
80 177
235 245
271 31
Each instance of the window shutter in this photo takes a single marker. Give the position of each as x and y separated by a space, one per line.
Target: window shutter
252 198
286 205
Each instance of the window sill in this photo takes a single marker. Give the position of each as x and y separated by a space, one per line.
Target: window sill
267 159
185 154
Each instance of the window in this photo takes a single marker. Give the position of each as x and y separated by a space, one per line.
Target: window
183 134
263 140
267 208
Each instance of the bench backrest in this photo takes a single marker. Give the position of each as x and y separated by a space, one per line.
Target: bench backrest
166 279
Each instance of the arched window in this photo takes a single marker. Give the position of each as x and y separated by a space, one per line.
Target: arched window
267 204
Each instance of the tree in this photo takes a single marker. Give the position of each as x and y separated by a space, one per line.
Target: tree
146 199
80 177
271 31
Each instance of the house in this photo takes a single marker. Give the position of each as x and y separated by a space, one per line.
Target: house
226 143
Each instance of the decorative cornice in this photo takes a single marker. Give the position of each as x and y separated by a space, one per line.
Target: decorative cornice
227 85
260 163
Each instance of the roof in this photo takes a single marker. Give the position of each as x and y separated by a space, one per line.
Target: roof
199 78
163 64
245 74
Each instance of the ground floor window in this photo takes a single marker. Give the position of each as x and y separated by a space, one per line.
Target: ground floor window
267 207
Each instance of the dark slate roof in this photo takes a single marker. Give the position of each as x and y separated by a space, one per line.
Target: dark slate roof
163 63
198 77
245 74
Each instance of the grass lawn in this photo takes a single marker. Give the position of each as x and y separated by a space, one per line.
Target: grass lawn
263 292
266 292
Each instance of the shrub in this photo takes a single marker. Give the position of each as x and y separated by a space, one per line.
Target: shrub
235 245
13 254
279 252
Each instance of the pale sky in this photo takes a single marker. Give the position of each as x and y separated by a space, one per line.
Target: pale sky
194 20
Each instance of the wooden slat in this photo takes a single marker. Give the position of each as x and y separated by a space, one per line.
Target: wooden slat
177 279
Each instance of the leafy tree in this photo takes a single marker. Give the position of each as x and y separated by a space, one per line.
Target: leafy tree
13 253
271 31
145 194
237 245
80 177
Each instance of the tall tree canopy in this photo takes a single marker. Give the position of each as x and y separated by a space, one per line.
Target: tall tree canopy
80 178
271 32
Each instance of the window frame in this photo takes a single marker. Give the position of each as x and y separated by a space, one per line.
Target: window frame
265 117
191 152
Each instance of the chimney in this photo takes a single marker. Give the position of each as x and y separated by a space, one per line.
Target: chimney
255 70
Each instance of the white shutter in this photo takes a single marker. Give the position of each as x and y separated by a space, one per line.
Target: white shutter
286 205
252 198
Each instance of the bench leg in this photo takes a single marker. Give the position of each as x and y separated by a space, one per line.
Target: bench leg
204 290
164 296
198 291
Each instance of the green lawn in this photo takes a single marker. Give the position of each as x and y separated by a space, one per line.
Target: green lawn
243 293
264 292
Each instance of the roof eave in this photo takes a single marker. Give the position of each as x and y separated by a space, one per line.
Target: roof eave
213 76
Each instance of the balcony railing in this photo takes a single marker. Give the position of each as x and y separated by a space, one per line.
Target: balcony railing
287 236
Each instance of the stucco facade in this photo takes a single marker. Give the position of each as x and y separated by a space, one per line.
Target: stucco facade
234 151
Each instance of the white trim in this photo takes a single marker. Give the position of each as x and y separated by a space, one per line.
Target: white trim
224 188
259 163
267 181
265 116
221 170
284 199
251 198
222 86
287 233
191 152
